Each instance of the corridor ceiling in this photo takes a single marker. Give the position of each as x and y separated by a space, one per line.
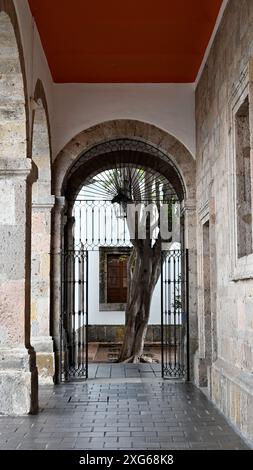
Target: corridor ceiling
137 41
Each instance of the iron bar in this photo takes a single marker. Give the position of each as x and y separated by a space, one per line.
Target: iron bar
174 314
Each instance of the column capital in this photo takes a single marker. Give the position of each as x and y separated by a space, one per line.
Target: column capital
188 205
48 203
60 202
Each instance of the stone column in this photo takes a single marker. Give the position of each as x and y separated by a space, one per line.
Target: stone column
18 372
57 238
189 213
213 286
70 265
40 287
206 294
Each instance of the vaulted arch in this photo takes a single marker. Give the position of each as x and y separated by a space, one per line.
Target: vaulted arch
125 129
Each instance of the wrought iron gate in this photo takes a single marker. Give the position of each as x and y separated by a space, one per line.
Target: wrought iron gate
74 315
92 226
175 315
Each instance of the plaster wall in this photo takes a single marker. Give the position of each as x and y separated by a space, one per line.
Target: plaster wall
167 106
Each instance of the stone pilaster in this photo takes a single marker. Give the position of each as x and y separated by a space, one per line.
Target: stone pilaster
40 288
69 264
189 214
57 237
18 372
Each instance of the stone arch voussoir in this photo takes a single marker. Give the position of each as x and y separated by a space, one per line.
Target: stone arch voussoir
41 150
131 129
14 115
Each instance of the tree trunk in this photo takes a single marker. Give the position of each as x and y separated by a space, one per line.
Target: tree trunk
144 269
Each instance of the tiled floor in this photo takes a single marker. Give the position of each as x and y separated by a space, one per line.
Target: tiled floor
150 371
121 413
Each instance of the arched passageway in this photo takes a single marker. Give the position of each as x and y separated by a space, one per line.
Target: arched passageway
177 166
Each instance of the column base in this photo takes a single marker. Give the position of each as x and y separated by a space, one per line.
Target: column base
18 382
57 374
45 360
201 366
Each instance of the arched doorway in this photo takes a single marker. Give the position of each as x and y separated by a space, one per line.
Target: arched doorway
129 151
42 204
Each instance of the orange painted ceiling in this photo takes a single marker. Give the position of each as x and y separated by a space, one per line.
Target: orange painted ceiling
143 41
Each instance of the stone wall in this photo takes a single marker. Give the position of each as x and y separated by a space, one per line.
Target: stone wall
226 76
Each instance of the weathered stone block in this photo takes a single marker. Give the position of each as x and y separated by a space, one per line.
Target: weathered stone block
232 390
15 396
18 382
45 358
46 367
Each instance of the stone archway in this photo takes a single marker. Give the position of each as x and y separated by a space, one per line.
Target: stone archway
18 373
125 128
135 131
42 204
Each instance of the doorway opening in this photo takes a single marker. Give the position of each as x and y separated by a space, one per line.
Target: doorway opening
113 211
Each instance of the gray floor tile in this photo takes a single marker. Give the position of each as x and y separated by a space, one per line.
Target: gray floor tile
121 407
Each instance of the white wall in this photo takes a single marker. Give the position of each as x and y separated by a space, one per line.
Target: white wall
80 106
97 317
